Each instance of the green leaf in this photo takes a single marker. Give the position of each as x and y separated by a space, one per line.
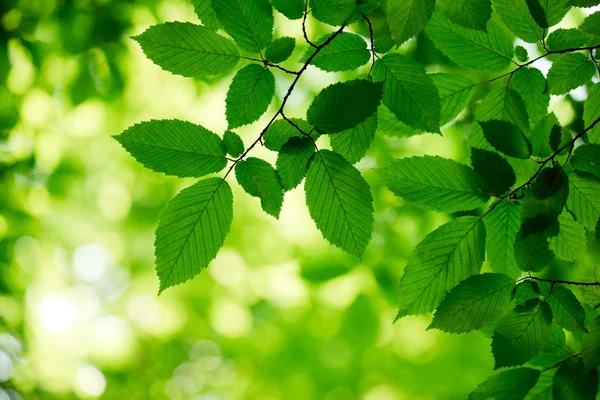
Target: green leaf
548 13
406 18
562 39
587 159
475 302
248 22
584 199
292 161
521 333
472 14
504 104
492 51
521 54
354 143
532 251
447 256
569 244
408 92
344 105
205 12
188 50
259 179
347 51
175 147
573 382
280 131
494 170
590 345
531 86
455 94
540 136
334 12
506 138
292 9
233 144
384 44
388 124
513 384
591 25
191 231
340 202
566 309
249 95
515 14
436 183
568 72
591 112
280 49
545 201
502 226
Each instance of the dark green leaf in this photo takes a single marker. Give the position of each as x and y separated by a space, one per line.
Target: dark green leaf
389 125
259 179
472 14
207 15
569 244
584 199
455 94
530 85
292 161
233 144
566 309
591 112
513 384
515 14
334 12
281 131
590 345
562 39
502 226
540 136
406 18
587 159
248 22
569 72
573 382
506 138
538 13
504 104
495 170
384 44
347 51
591 25
292 9
521 54
280 49
249 95
354 143
545 201
532 251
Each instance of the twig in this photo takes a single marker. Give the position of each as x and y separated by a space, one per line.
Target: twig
372 42
560 362
304 26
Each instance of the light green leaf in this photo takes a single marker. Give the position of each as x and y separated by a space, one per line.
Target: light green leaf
249 95
347 51
587 159
340 202
447 256
334 12
584 199
475 302
494 170
472 14
384 44
569 244
292 9
591 112
562 39
191 231
530 85
521 54
502 226
507 138
233 144
504 104
205 12
292 161
280 49
175 147
513 384
248 22
408 92
455 94
566 309
521 333
406 18
187 49
492 51
388 124
515 14
354 143
281 131
569 72
590 345
591 25
435 183
573 382
548 13
344 105
259 179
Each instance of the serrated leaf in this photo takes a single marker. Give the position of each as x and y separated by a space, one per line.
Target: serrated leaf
502 226
344 105
347 51
591 112
568 72
506 138
472 14
492 51
513 384
455 94
435 183
584 199
573 382
408 92
292 161
532 251
546 199
504 104
384 44
280 49
259 179
191 231
569 244
548 13
334 12
587 159
566 309
447 256
205 12
389 125
189 50
562 39
354 143
540 136
280 131
521 333
340 202
233 144
248 22
292 9
521 54
473 303
406 18
591 25
530 85
175 147
590 345
494 170
515 14
249 95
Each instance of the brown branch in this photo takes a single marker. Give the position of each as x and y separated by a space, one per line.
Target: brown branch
304 27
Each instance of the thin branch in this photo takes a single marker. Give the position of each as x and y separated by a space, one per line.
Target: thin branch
594 60
287 71
560 362
372 43
557 281
304 26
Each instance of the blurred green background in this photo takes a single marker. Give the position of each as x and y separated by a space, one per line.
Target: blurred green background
280 314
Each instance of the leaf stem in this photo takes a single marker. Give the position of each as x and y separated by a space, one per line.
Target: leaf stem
561 362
